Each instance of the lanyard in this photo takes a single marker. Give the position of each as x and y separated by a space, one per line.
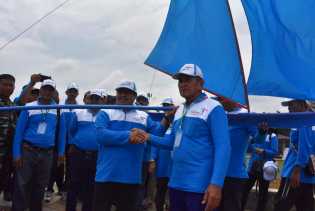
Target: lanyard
44 115
184 113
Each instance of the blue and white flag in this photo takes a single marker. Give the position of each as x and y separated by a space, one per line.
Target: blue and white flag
283 38
201 32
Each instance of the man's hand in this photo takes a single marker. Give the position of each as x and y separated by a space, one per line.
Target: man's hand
212 197
35 78
169 116
138 136
295 177
152 166
172 112
259 151
61 160
18 163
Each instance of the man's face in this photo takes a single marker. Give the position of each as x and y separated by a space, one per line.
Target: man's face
94 99
189 86
125 97
142 101
6 87
86 98
72 94
167 105
56 96
47 93
103 100
297 106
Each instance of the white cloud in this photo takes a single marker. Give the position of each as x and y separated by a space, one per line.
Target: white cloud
97 44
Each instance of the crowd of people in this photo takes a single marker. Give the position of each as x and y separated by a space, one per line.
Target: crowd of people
191 160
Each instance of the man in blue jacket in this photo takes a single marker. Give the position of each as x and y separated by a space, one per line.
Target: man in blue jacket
119 164
58 174
264 148
83 155
236 176
33 151
297 183
162 164
200 143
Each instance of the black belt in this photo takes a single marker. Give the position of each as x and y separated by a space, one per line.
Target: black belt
29 146
74 148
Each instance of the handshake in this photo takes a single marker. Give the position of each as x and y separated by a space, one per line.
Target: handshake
138 136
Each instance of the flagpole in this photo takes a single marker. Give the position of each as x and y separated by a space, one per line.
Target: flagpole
240 58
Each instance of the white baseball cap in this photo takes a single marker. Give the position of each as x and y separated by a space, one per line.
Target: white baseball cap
270 170
49 82
103 92
168 101
127 85
190 70
73 85
96 92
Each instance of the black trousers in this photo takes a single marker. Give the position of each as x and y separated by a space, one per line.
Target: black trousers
124 196
6 172
82 174
56 176
31 179
301 197
263 191
232 194
161 189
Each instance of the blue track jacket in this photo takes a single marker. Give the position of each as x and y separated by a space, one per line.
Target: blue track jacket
118 160
38 127
201 144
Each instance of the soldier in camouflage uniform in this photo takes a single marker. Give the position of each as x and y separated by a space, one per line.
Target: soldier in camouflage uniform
7 127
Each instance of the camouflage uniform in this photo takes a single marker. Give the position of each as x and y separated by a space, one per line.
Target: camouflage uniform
7 128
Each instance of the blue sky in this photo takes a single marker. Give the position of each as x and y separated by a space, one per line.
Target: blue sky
98 43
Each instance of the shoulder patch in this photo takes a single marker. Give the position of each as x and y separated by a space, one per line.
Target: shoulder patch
41 111
139 117
85 116
202 109
179 112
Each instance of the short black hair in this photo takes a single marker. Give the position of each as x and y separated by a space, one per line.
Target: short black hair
7 77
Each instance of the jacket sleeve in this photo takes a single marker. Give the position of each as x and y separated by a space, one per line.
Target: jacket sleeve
154 153
109 137
218 125
19 134
258 138
273 150
155 128
62 135
252 132
164 142
72 126
303 153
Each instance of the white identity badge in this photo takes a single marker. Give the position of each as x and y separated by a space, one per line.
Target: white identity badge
178 137
42 128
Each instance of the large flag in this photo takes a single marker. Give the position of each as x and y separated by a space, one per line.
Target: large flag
283 38
202 32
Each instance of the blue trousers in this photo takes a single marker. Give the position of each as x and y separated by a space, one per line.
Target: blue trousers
185 201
